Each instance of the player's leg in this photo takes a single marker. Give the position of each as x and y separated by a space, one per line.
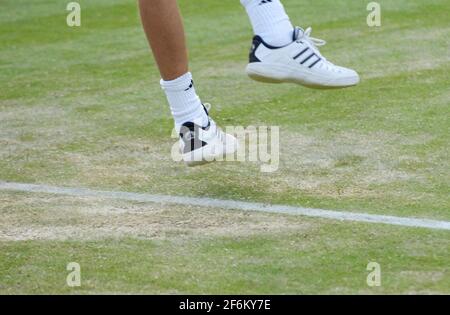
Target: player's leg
201 140
164 29
282 53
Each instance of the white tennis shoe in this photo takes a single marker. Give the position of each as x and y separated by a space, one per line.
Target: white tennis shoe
299 62
200 145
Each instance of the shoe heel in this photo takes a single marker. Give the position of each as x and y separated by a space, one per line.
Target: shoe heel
257 73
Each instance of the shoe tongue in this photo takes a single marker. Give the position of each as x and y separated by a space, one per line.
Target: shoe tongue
298 32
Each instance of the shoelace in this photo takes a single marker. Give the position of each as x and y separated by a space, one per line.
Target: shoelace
305 36
207 106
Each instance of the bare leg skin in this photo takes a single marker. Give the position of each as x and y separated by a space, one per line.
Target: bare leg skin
164 29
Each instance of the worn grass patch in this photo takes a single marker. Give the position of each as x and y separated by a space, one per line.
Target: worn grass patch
45 217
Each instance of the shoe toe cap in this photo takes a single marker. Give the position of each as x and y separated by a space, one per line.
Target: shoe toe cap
349 75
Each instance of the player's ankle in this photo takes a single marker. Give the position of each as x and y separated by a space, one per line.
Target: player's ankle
184 102
277 39
270 21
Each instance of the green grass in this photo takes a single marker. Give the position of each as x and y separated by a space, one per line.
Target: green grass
82 107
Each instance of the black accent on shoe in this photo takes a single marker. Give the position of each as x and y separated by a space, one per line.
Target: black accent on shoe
314 63
307 58
301 53
189 135
257 40
206 111
296 33
255 44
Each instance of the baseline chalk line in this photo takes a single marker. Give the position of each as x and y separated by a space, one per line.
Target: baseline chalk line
228 204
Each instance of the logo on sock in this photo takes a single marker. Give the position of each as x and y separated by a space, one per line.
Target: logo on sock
190 85
264 2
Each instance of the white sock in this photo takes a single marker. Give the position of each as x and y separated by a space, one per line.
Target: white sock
269 21
184 102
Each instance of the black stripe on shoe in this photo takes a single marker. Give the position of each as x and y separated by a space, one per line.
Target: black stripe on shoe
314 63
307 58
301 53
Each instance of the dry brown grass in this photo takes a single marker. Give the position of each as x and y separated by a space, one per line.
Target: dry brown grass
44 217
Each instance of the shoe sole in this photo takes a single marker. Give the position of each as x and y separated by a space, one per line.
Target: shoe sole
200 157
273 74
194 163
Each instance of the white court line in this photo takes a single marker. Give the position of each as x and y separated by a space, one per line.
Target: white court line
228 204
